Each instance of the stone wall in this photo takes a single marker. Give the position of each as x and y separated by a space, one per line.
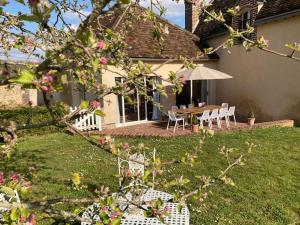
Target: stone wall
14 96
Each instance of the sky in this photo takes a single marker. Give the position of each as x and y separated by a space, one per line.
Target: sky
175 14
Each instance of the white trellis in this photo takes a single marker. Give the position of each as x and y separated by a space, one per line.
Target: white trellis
87 120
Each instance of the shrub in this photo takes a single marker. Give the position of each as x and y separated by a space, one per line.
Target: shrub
27 115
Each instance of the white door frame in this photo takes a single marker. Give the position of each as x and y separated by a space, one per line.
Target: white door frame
139 121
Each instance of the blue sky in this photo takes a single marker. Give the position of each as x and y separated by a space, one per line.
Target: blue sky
175 14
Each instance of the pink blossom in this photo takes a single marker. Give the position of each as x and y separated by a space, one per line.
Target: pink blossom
154 173
167 209
164 30
47 78
15 177
45 88
101 45
31 219
2 179
129 174
95 104
103 61
126 145
102 140
22 219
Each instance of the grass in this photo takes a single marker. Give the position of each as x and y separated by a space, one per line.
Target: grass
267 188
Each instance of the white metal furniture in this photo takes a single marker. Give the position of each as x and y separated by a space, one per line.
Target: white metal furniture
174 118
204 117
214 116
87 120
175 218
186 117
223 115
225 105
152 194
4 198
174 107
133 164
231 113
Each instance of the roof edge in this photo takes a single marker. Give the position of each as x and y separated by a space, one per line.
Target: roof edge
164 60
278 17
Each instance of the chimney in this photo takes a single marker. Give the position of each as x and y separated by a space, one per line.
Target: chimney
192 8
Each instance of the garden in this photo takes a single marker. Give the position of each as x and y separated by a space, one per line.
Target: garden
265 190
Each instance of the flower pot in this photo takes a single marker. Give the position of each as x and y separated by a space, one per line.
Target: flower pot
195 128
251 121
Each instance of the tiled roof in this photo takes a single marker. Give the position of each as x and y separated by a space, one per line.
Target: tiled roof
140 42
275 7
270 8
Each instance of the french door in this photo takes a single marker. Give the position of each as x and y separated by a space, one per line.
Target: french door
134 108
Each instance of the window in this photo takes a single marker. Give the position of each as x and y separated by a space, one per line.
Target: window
246 19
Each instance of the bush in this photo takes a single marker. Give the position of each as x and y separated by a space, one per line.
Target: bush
26 115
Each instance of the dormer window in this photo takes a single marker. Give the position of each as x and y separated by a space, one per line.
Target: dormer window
246 19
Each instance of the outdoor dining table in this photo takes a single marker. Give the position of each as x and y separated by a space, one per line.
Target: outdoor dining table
176 217
196 110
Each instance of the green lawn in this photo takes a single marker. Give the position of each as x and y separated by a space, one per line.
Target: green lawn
267 188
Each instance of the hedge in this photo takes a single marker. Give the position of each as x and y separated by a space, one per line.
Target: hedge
26 115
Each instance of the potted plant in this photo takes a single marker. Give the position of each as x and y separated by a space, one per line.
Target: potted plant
195 124
251 117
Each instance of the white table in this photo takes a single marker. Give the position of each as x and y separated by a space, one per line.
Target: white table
175 218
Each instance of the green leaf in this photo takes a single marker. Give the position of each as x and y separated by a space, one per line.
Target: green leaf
8 191
125 1
15 214
99 112
87 37
109 200
30 18
64 78
20 1
116 221
24 212
146 175
95 64
84 104
49 10
26 77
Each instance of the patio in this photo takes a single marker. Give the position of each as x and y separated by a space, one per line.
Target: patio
158 129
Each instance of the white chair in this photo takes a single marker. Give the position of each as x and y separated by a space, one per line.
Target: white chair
174 107
231 113
186 117
223 115
190 106
135 165
176 119
225 105
204 117
214 116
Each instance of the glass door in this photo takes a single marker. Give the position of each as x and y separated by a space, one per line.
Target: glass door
131 108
